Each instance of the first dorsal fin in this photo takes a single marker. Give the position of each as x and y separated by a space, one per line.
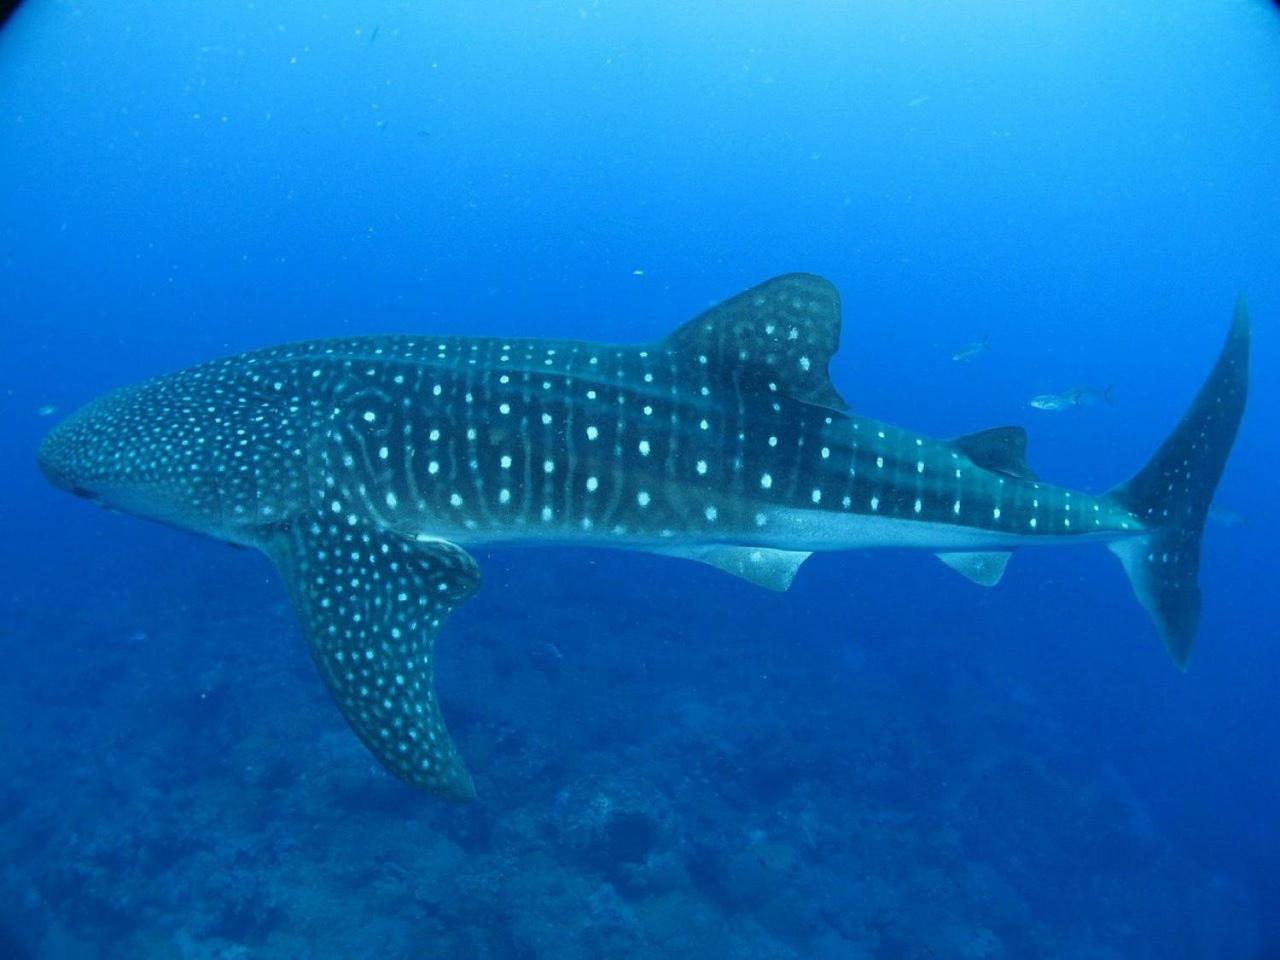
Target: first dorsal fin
1002 449
786 329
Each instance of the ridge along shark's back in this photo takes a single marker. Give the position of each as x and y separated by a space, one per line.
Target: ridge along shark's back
364 466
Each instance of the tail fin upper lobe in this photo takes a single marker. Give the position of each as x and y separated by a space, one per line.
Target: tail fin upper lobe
1172 493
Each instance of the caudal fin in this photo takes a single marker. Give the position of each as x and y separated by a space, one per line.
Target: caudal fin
1172 493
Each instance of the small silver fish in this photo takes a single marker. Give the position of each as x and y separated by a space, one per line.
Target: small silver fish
1076 397
47 410
1051 401
970 351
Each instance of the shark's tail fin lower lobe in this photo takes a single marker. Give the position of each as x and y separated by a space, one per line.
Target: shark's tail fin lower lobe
1172 493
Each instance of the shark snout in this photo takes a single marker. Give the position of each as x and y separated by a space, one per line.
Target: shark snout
96 448
71 455
57 460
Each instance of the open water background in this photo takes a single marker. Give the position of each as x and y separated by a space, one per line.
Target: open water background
885 762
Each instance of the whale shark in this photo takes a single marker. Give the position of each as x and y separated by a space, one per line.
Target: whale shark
365 467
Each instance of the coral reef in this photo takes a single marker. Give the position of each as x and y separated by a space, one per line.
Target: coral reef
190 794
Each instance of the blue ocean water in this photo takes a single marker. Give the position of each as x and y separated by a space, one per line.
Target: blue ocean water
887 761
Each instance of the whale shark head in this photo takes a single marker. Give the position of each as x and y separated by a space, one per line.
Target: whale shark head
94 454
62 460
209 449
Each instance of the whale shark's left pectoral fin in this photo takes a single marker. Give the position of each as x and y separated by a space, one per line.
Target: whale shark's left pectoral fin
370 603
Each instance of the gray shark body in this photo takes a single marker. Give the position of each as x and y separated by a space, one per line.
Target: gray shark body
364 467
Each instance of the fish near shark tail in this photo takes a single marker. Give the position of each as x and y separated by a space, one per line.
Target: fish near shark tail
1172 493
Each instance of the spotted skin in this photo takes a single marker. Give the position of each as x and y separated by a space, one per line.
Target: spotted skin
364 466
371 603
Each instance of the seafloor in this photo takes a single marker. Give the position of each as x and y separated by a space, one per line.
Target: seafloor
670 765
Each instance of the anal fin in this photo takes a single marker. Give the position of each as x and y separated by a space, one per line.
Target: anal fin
763 566
984 569
370 603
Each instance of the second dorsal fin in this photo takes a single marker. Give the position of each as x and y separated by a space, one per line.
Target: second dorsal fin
785 331
1002 449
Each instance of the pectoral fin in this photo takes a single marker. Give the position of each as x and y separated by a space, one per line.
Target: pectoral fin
370 603
985 569
763 566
